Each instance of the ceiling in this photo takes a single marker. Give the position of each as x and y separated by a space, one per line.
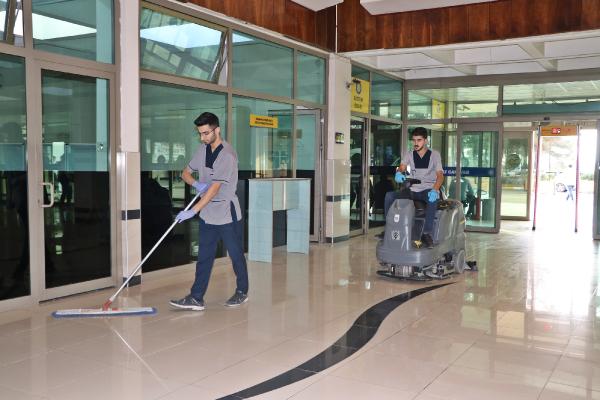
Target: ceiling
560 52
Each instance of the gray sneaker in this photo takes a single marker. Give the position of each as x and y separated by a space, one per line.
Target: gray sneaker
237 299
188 303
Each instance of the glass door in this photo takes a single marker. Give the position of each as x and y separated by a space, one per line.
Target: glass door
516 173
384 144
357 176
308 162
477 175
75 191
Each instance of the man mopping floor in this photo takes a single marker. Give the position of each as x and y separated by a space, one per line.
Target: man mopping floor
220 215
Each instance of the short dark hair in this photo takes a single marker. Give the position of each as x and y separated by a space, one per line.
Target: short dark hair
207 118
420 131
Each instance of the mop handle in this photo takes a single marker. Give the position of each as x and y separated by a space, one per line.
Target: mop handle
114 296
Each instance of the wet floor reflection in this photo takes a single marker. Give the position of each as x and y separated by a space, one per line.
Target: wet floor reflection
359 334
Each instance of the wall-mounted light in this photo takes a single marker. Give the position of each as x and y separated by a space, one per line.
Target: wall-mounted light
354 80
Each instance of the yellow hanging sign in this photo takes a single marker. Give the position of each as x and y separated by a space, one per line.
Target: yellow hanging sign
438 109
360 94
566 130
262 121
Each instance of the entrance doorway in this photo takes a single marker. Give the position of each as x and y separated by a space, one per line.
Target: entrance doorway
566 179
56 191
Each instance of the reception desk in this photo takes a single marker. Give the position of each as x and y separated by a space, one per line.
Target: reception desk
268 195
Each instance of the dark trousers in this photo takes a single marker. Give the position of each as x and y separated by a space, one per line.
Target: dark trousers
209 235
430 211
570 189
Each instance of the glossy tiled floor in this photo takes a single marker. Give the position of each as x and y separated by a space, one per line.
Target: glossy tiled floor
523 327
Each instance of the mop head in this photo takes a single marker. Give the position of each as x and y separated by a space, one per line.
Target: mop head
99 312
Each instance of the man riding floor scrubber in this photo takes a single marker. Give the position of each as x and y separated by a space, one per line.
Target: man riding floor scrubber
401 251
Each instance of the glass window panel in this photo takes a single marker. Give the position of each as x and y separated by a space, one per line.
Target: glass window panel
262 66
168 141
386 97
559 97
77 28
463 102
14 217
11 17
263 152
360 73
479 150
3 17
311 78
75 117
181 47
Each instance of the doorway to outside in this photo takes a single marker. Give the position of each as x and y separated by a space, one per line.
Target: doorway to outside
560 194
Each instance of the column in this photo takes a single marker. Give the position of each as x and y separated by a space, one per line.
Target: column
337 210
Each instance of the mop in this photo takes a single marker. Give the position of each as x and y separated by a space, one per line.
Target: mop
106 310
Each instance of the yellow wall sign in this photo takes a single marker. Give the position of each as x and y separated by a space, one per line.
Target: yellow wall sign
567 130
438 109
361 90
262 121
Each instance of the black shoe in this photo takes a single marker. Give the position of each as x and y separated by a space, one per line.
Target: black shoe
380 235
188 303
237 299
427 240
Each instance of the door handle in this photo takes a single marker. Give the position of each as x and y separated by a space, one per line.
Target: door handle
51 186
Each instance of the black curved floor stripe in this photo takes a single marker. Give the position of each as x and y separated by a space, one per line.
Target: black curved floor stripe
359 334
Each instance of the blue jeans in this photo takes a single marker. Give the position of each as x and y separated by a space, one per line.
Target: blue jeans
232 236
570 189
430 211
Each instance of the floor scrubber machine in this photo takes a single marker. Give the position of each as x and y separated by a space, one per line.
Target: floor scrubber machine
400 251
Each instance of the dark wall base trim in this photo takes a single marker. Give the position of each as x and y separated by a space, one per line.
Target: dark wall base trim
130 214
337 239
333 199
136 280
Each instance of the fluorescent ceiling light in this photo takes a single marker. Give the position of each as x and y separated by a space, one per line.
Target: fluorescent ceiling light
46 28
317 5
392 6
186 36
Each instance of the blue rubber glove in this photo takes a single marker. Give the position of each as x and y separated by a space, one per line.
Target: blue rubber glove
433 196
185 214
399 177
200 187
